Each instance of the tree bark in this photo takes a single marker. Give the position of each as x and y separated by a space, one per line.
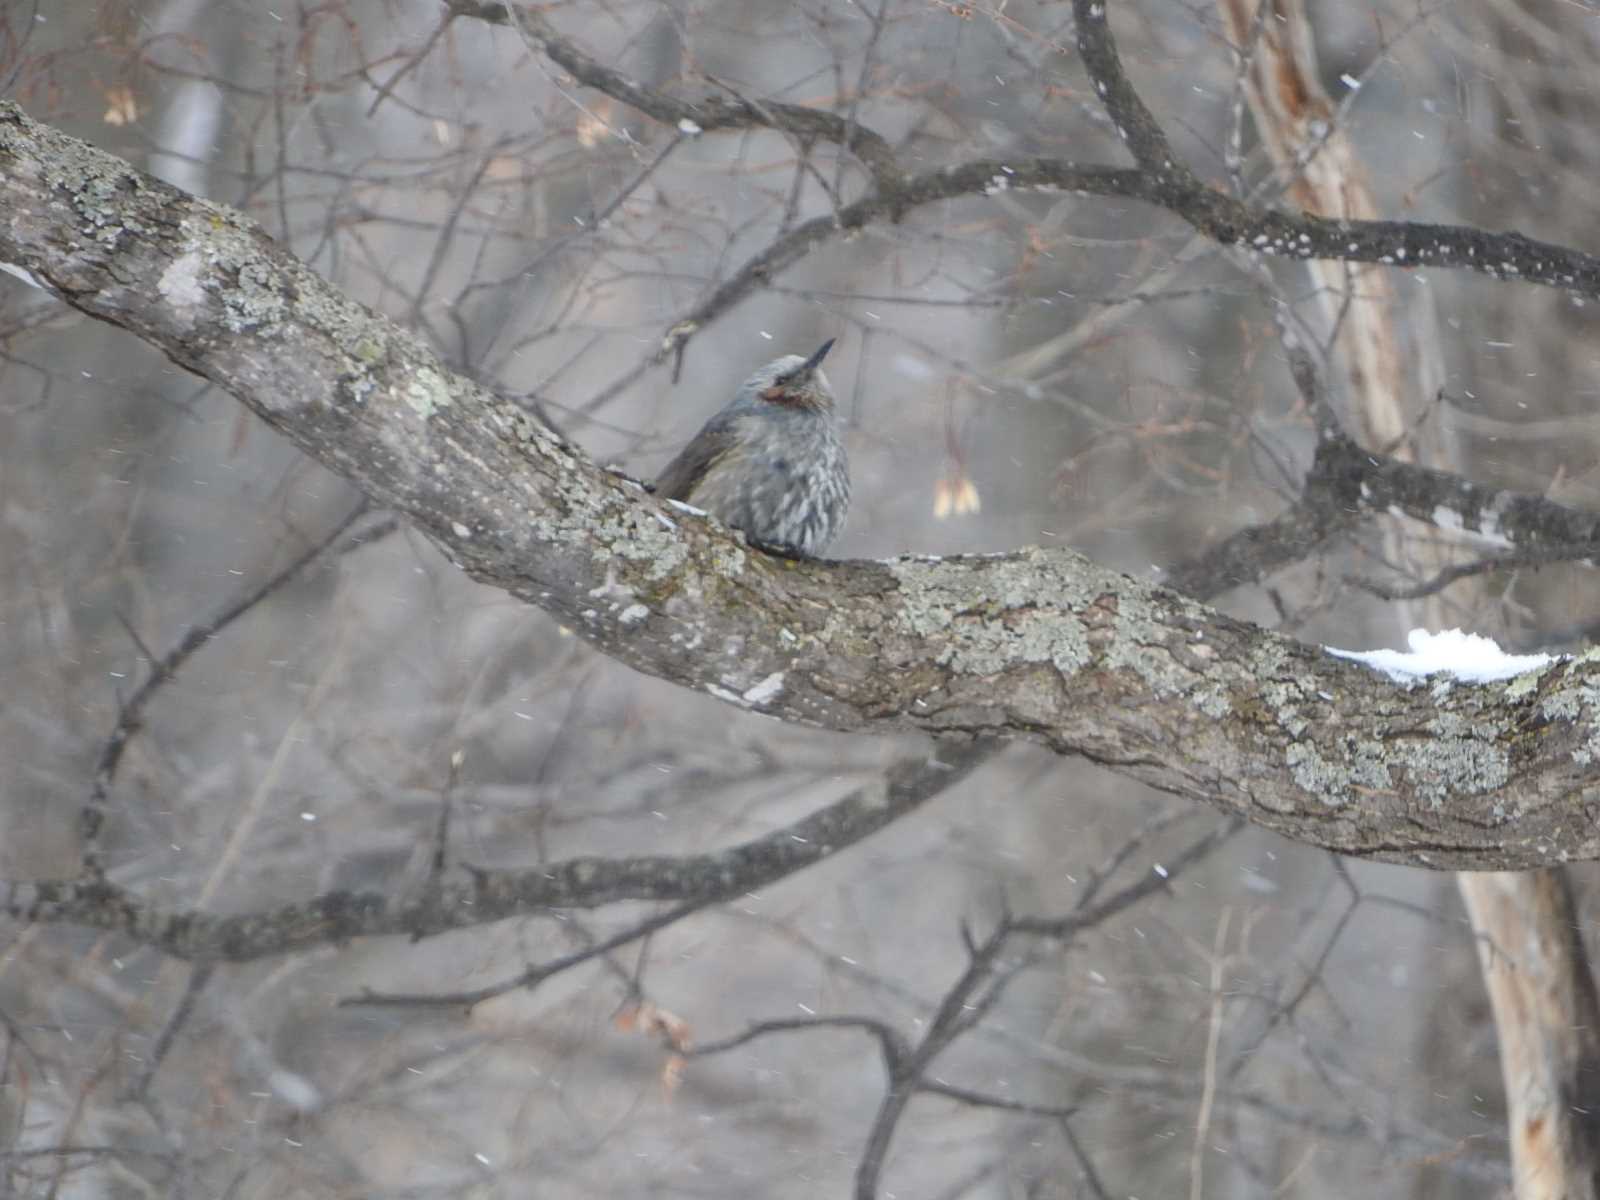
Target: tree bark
1540 983
1548 1023
1040 644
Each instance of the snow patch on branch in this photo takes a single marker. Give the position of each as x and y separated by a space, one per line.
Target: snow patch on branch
1469 657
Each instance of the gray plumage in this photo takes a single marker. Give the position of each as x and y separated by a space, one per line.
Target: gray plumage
770 463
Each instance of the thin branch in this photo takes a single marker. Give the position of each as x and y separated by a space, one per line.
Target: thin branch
1533 556
976 1099
1158 879
531 977
978 990
199 975
1161 178
487 896
163 670
890 1042
949 1021
1091 1177
1208 1087
708 114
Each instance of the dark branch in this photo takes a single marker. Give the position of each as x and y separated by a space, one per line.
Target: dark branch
164 669
1161 179
707 114
488 896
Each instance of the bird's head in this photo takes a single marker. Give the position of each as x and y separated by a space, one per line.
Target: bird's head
792 382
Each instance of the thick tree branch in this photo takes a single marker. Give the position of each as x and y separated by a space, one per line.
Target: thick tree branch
1040 644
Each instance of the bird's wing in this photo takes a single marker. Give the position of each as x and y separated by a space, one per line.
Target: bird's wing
684 473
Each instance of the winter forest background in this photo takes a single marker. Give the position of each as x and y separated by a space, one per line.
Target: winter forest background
1236 1015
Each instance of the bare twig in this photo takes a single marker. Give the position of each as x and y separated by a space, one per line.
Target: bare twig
199 975
164 669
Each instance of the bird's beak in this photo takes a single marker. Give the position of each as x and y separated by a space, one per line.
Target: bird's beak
815 361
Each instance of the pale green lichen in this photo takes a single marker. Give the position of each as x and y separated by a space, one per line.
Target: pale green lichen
426 391
523 428
1573 703
248 285
94 187
1363 766
1022 615
1459 758
608 529
1283 698
1452 757
1211 699
728 560
1528 682
1143 645
622 537
255 301
1278 689
1034 608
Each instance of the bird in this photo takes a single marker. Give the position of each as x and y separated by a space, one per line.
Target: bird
771 462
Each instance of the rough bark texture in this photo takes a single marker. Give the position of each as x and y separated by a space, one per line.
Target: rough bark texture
1538 977
1549 1028
1380 381
1037 643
